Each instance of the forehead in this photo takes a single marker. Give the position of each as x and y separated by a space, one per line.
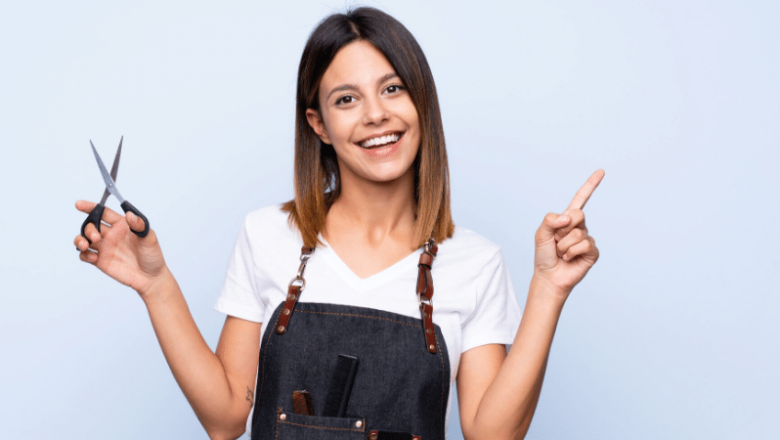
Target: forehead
358 63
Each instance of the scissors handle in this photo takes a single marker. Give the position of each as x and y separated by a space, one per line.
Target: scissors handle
127 206
94 218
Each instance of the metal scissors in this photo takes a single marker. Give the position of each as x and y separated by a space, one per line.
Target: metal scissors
97 212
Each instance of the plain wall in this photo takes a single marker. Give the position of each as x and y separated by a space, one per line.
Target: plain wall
674 332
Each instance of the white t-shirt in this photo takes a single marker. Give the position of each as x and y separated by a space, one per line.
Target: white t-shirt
474 303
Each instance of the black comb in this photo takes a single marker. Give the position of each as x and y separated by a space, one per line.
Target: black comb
340 386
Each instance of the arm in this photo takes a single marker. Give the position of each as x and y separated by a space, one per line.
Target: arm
219 387
498 393
216 385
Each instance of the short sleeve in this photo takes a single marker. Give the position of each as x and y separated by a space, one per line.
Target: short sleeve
497 315
239 295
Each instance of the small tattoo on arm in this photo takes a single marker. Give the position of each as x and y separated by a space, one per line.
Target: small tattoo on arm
249 396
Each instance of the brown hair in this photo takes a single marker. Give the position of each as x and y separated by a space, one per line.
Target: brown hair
317 182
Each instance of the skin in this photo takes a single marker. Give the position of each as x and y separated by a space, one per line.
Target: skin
371 227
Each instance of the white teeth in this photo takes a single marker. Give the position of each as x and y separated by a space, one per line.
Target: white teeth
381 140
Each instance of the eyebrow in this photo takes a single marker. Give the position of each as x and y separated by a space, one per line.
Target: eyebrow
344 87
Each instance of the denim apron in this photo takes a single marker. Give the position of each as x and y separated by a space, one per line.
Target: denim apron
401 385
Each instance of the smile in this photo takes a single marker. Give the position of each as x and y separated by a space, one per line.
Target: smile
381 141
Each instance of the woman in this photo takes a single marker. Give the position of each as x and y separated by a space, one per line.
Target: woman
371 198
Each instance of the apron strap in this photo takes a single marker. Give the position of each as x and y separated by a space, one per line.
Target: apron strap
294 291
425 292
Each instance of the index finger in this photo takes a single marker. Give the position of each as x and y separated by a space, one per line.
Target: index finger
109 216
584 193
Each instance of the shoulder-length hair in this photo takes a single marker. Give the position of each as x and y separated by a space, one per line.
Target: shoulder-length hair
317 182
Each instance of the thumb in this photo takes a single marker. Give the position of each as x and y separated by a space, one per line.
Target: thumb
550 224
135 222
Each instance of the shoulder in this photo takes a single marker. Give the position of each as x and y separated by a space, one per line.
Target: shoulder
468 257
467 246
268 216
269 226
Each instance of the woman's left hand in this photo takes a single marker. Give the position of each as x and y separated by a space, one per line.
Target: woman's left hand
564 250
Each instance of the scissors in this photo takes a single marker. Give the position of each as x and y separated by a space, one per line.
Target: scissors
97 212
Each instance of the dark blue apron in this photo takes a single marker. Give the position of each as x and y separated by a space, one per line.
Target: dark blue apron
401 387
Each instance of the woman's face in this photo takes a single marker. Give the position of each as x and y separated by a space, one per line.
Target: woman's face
367 115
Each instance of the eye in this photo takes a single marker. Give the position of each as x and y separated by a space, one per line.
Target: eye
394 88
347 99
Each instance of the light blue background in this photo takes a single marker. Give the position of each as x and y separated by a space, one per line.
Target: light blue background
673 334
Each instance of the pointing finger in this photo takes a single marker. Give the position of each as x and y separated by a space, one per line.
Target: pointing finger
584 193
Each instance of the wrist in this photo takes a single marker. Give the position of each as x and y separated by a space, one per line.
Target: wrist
545 290
158 286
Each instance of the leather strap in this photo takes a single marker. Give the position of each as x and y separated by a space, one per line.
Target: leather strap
425 292
294 291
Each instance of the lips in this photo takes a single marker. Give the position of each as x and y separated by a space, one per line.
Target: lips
382 140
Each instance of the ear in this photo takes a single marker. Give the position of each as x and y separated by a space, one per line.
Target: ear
316 123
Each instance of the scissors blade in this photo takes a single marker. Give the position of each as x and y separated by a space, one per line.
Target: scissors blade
114 170
115 166
110 186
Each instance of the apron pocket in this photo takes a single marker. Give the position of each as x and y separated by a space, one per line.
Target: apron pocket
298 426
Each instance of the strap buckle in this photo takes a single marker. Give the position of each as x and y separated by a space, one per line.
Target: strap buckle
299 280
429 245
420 300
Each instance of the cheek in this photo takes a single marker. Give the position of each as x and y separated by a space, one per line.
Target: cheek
413 122
411 118
340 128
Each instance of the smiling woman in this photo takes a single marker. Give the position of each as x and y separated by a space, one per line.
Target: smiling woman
352 347
349 63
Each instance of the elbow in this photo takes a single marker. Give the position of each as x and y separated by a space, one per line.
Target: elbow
225 425
224 434
225 431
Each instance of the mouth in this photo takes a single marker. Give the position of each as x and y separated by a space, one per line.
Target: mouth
383 141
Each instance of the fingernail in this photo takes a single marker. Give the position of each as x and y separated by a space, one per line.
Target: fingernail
564 218
131 216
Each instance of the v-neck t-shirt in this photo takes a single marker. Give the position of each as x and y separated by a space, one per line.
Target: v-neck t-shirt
474 303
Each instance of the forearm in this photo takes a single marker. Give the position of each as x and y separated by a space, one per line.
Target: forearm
508 405
196 368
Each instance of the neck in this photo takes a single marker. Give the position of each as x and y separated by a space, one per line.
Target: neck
373 211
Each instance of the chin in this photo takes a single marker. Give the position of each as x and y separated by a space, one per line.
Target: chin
389 175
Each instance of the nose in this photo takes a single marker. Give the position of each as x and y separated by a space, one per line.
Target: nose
375 111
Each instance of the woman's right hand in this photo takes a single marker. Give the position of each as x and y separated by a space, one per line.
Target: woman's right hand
133 261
